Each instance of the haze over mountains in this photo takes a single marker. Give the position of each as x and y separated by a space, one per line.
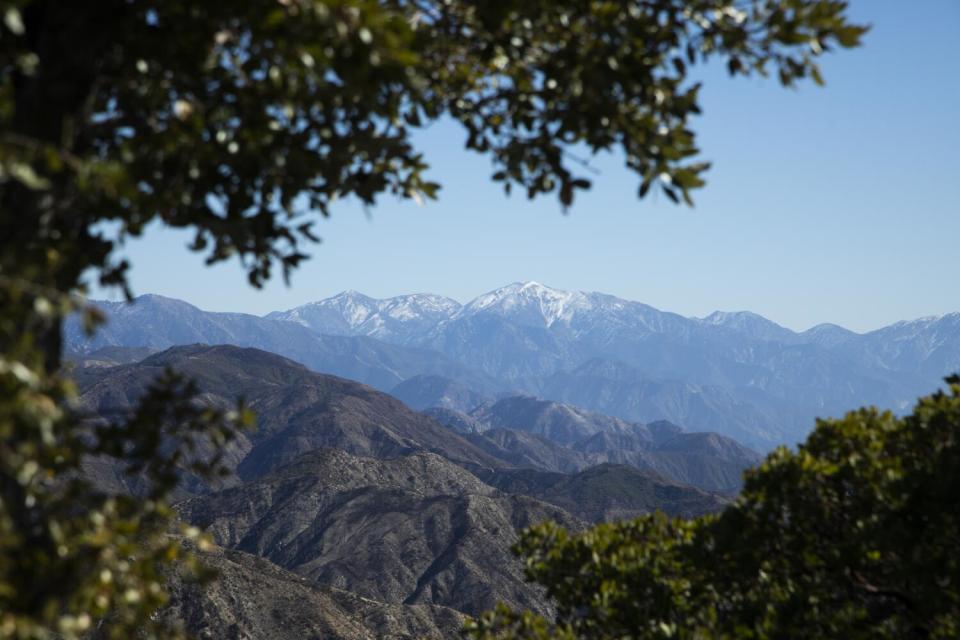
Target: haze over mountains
548 435
738 374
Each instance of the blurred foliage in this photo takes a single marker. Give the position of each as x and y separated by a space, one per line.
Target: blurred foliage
73 556
241 120
851 536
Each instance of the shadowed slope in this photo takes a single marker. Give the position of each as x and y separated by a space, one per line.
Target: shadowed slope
297 410
414 529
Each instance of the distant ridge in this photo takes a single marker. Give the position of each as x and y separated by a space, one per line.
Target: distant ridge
537 433
735 373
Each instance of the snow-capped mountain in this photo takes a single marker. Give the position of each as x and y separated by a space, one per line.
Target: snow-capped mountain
419 318
573 312
733 372
927 344
529 303
396 319
739 370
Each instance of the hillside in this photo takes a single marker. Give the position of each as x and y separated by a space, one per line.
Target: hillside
297 410
385 512
253 598
609 492
411 530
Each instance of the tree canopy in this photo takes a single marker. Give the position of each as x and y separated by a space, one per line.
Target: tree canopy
241 121
852 535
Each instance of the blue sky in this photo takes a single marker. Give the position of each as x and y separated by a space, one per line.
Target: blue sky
839 204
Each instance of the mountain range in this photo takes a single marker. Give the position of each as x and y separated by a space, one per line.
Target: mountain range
735 373
403 444
346 513
557 437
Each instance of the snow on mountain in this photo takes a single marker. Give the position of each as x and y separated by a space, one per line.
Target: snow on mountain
733 372
931 344
529 303
409 318
578 313
394 319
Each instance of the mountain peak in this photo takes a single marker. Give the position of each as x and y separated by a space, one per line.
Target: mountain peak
828 335
529 302
528 287
751 323
351 293
534 286
353 313
152 298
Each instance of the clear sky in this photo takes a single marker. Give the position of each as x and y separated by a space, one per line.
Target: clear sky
839 204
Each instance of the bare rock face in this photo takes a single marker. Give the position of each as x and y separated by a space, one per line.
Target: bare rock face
253 599
415 529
